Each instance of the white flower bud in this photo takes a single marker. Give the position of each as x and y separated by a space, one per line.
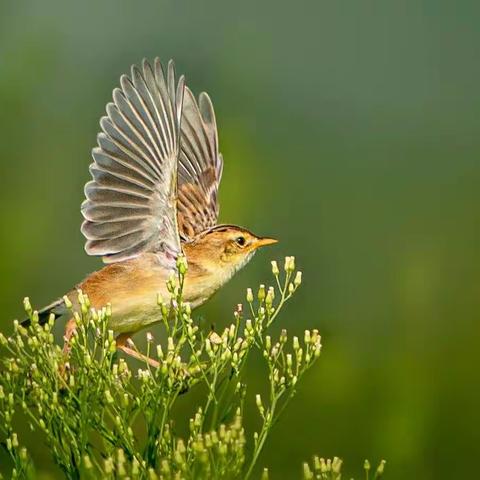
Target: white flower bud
270 296
182 264
258 401
27 306
289 265
307 473
289 360
261 293
275 269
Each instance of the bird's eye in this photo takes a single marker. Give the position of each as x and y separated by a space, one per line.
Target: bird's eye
240 241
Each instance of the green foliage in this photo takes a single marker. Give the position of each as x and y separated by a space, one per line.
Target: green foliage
100 419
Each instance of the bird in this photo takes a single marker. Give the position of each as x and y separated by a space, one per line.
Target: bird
153 196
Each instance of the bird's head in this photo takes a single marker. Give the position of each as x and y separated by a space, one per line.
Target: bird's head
226 246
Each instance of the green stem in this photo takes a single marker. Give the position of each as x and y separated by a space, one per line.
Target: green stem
261 439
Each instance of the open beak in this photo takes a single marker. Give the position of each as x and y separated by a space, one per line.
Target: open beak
263 242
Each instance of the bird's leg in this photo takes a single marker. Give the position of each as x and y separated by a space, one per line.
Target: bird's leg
125 344
70 329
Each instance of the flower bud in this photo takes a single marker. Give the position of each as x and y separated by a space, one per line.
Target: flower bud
87 463
159 352
249 295
261 293
307 473
258 401
108 465
269 298
182 264
135 467
289 360
298 279
27 305
67 302
289 264
23 454
275 269
380 469
108 397
336 465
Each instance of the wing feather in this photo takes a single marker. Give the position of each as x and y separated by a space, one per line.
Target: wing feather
130 205
200 167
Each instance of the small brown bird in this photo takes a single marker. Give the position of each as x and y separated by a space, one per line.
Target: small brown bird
156 172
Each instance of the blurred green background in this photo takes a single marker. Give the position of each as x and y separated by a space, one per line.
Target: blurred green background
350 130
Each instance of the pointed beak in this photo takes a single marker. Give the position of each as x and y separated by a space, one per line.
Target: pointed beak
263 242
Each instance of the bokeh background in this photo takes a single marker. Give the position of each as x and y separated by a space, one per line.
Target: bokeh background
350 130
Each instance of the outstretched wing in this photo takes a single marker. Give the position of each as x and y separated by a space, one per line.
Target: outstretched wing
200 167
130 204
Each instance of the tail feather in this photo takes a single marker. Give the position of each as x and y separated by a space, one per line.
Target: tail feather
57 308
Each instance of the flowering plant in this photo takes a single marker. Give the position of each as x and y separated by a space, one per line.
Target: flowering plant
101 419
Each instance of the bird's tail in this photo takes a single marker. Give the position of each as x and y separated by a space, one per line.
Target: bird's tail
57 308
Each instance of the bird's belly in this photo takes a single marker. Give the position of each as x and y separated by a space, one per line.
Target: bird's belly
132 292
133 313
